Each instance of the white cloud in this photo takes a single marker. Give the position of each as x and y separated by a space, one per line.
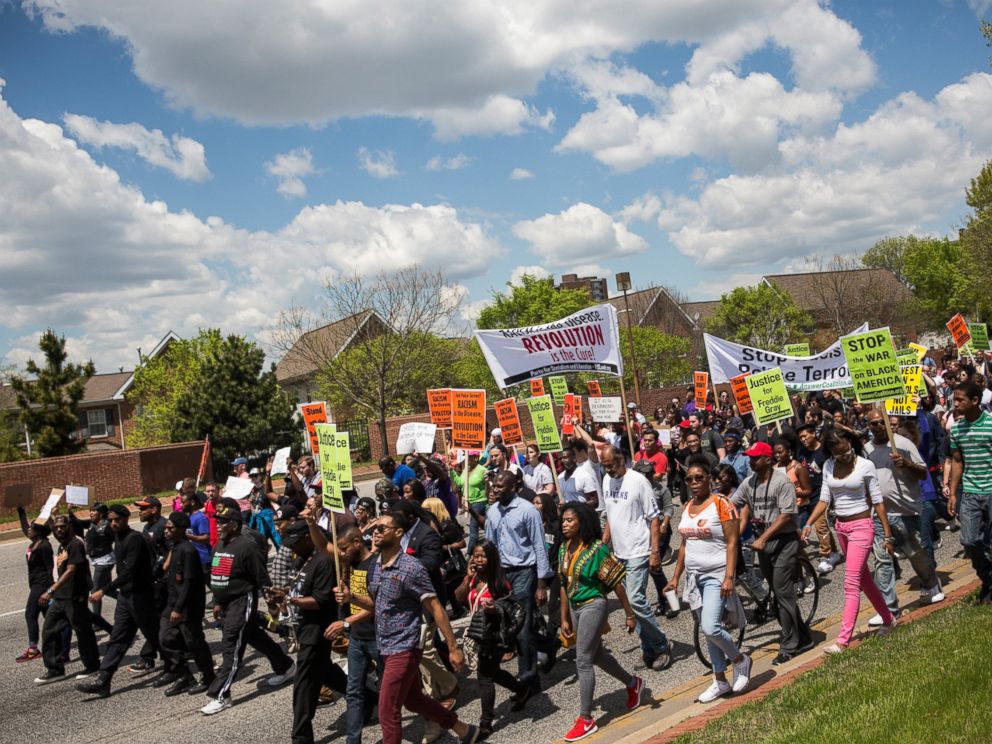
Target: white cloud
497 115
290 168
580 233
981 8
518 273
643 209
520 174
378 164
438 163
181 156
593 270
895 172
128 269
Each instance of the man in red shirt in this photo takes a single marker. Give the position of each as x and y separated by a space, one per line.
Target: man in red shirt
212 492
652 452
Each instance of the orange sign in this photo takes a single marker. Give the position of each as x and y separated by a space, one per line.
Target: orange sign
314 413
739 386
579 416
594 390
439 404
959 330
509 421
536 388
570 416
701 380
468 419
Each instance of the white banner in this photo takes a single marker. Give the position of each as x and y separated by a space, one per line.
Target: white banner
415 437
280 462
605 410
824 371
586 341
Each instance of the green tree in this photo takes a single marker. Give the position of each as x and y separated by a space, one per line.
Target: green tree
760 316
532 302
159 383
10 439
662 359
236 403
49 402
933 268
976 244
889 253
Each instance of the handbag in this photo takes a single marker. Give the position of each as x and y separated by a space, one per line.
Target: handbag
474 633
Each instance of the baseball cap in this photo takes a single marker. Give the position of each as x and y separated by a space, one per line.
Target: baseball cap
149 501
120 510
254 471
227 514
287 511
239 461
179 485
685 424
632 405
759 449
497 432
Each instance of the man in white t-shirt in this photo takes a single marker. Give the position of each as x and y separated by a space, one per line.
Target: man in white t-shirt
632 525
577 482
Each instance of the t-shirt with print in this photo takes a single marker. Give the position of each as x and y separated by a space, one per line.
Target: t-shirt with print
766 500
73 553
974 441
358 584
814 460
705 542
630 506
900 488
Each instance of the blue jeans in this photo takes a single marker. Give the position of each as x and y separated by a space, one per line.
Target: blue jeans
524 582
473 526
653 640
906 531
719 642
361 653
975 515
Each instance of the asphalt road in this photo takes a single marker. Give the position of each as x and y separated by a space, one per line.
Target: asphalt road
57 712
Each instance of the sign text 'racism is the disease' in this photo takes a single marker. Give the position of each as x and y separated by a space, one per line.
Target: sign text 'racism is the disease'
468 419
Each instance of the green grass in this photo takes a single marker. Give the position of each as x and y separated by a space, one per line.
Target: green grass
930 680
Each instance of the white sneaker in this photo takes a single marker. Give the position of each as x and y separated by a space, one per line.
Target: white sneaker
719 688
884 630
277 680
875 621
935 594
742 673
824 567
216 706
834 649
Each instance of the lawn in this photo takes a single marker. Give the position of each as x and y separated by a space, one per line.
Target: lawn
930 680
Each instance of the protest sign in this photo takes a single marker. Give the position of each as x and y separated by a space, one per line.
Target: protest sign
18 494
768 396
415 437
559 388
701 382
77 495
664 436
342 446
568 418
53 499
907 356
823 371
468 419
921 351
586 341
280 461
330 486
871 358
239 489
608 410
906 405
739 388
439 404
509 421
314 413
536 387
797 350
594 390
979 336
542 416
959 330
847 393
578 410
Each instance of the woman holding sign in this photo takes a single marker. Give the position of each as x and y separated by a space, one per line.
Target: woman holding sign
850 483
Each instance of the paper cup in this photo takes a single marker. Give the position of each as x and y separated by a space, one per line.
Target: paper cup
672 597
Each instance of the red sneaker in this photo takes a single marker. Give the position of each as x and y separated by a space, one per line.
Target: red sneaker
581 729
634 691
30 653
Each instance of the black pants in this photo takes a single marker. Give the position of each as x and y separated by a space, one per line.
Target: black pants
185 641
490 674
31 611
62 615
134 612
150 647
241 629
313 670
780 566
102 575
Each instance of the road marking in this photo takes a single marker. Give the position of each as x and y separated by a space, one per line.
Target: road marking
12 612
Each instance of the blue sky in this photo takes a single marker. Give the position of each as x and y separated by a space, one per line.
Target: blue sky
172 166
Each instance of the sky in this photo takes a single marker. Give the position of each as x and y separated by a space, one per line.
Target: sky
172 166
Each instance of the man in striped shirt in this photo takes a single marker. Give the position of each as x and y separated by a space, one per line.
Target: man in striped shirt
971 467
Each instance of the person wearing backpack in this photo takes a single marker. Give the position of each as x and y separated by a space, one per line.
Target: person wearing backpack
484 585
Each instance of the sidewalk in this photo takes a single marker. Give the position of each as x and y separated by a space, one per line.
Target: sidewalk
676 712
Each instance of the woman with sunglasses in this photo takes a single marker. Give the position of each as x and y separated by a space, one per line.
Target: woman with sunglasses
708 558
850 483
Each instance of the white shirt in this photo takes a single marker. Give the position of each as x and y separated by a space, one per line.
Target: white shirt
849 494
583 480
630 506
536 477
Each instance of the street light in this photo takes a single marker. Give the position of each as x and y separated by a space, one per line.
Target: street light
623 285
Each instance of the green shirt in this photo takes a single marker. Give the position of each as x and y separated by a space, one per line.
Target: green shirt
974 441
592 573
476 484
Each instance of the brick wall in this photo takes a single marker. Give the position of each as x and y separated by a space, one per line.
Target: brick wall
111 475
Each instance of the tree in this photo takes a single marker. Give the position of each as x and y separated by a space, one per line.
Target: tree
385 318
888 253
662 359
760 316
10 437
933 269
232 400
49 402
532 302
976 244
159 383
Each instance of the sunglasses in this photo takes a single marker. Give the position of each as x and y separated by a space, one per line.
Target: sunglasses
695 478
381 528
877 422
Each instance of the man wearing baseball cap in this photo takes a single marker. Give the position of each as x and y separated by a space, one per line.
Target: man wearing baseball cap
767 499
150 513
240 467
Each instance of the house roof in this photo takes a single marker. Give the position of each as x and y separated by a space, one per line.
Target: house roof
861 283
160 348
327 341
640 302
705 309
99 389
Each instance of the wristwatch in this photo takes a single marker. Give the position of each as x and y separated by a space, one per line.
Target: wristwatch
346 625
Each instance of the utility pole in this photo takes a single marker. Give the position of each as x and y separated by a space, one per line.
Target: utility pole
623 285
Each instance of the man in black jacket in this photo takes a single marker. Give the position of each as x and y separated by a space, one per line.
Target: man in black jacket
237 575
135 601
181 624
150 513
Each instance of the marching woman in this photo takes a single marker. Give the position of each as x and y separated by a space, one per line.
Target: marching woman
589 572
850 483
41 567
708 557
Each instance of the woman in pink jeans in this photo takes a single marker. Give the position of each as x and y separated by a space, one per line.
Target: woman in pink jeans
851 484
